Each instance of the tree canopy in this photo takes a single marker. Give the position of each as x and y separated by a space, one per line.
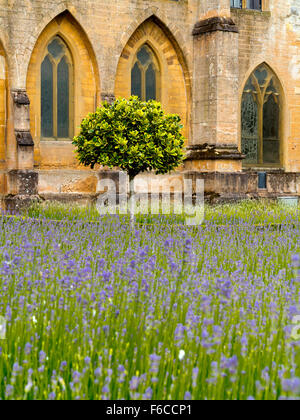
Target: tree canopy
132 135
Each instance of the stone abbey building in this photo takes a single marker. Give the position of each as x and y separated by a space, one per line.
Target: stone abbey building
230 68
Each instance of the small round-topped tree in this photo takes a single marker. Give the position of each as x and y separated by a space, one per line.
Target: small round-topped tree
132 135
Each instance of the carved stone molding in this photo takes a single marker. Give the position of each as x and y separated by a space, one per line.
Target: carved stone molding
24 138
214 24
20 97
213 152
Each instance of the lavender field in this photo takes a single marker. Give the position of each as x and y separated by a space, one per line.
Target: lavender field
95 311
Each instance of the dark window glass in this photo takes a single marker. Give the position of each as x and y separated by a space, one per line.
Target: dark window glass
254 4
150 83
55 48
47 98
63 99
261 76
271 131
136 81
236 3
262 180
144 56
271 88
250 141
55 91
251 4
144 75
249 87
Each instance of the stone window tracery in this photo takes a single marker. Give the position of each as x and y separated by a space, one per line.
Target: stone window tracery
261 118
145 75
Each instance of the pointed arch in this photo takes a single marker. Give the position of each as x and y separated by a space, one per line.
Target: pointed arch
273 68
262 118
169 27
81 71
175 92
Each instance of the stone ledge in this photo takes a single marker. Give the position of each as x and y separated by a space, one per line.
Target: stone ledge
251 12
269 170
15 203
213 152
24 138
20 97
214 24
70 198
246 184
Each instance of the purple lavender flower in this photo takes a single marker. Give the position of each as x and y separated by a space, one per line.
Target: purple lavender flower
291 385
134 383
9 391
148 394
42 357
87 360
187 396
52 396
63 365
105 389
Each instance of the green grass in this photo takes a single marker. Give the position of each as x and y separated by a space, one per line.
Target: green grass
247 211
251 211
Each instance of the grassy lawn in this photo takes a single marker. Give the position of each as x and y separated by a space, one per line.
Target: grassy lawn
100 311
249 212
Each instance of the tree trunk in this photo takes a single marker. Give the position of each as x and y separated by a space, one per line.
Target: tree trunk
131 202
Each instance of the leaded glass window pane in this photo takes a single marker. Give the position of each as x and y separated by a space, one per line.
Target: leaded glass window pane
271 88
150 83
261 76
249 87
143 56
63 99
47 98
56 48
271 131
136 81
250 140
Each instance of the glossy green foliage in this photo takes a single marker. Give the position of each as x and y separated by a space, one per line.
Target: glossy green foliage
131 135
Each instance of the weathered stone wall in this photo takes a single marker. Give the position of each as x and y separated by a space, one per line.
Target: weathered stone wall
97 32
108 25
273 37
203 79
3 90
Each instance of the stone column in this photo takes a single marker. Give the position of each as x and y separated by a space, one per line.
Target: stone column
22 181
215 144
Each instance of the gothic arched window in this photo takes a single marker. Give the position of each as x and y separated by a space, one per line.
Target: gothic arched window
56 91
261 118
145 75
